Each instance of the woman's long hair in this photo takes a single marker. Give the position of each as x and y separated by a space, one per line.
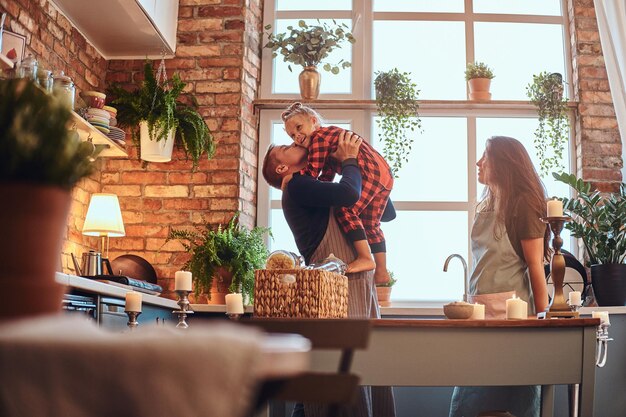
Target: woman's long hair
513 180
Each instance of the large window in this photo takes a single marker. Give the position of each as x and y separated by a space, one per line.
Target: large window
436 192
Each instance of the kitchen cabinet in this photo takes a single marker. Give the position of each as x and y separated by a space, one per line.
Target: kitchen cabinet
125 29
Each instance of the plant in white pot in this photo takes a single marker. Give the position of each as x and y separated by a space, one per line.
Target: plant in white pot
40 162
478 75
309 45
155 113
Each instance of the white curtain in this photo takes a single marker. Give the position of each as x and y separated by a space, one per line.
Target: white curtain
611 15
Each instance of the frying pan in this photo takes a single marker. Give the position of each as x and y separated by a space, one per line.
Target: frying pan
134 266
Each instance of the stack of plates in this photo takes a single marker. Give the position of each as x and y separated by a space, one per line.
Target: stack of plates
117 135
99 119
113 113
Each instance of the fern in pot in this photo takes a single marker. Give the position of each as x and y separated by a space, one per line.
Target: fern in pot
155 113
600 222
223 259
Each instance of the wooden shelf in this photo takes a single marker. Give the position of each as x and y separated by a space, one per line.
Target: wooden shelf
87 132
5 63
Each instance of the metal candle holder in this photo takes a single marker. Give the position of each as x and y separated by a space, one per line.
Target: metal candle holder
234 316
558 307
603 339
132 319
183 303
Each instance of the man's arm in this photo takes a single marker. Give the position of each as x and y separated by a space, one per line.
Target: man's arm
308 191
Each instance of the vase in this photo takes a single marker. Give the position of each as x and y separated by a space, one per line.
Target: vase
33 224
479 89
153 150
219 286
384 296
609 284
309 83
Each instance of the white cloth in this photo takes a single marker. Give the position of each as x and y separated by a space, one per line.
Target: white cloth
67 366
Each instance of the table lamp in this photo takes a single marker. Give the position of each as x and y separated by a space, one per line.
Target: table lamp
104 219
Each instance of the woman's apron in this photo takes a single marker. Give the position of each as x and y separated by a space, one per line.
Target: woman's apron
498 273
362 303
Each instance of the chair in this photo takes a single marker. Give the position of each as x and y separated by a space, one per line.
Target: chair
335 389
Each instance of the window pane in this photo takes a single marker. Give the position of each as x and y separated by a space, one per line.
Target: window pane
455 6
428 176
418 243
538 7
286 82
314 5
523 130
283 239
516 51
436 61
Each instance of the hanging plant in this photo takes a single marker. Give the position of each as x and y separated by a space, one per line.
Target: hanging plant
396 101
546 93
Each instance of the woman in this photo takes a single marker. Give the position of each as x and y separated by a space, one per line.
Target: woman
509 246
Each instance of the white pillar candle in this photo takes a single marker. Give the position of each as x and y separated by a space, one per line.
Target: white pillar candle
182 281
575 298
516 309
479 312
234 304
602 315
555 208
133 301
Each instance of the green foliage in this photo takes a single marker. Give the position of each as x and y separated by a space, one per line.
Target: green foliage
396 101
546 93
309 45
159 106
234 247
392 281
36 145
478 70
600 221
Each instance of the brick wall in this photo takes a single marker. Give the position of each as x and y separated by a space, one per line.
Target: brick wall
598 143
218 57
58 46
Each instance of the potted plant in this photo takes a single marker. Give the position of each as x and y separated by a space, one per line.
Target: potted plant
546 93
40 162
308 46
223 259
396 101
600 221
383 291
155 113
478 75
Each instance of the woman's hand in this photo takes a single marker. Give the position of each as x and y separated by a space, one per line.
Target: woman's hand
349 144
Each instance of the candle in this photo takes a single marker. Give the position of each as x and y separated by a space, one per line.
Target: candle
182 281
602 315
555 208
133 301
516 309
234 304
479 312
575 298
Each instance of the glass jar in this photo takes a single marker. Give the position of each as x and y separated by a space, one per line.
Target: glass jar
282 259
44 78
63 88
28 68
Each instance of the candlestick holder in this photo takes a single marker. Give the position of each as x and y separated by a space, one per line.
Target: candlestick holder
132 319
603 339
558 307
234 316
183 303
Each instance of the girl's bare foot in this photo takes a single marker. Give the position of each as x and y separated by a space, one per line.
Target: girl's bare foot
381 276
360 265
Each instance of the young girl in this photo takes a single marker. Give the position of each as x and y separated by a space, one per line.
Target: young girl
360 222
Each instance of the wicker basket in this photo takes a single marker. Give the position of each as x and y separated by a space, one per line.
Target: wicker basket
315 293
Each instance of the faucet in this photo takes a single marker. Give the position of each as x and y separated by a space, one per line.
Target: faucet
465 278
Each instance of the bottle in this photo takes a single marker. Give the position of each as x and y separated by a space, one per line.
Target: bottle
63 88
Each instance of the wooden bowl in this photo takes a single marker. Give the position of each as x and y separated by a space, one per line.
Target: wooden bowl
458 311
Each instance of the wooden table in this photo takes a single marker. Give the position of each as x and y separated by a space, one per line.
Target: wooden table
480 352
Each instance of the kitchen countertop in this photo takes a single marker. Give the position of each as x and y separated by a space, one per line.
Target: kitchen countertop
101 288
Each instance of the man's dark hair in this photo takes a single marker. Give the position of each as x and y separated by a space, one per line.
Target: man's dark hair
270 162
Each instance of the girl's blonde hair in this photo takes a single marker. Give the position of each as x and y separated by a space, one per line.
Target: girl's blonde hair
299 108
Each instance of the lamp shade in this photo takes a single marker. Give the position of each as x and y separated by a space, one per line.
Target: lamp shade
104 217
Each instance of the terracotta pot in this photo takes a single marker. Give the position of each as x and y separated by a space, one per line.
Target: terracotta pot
384 296
219 286
33 221
309 80
479 89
